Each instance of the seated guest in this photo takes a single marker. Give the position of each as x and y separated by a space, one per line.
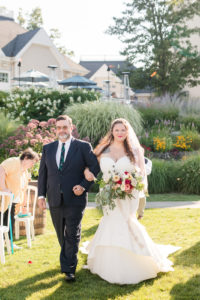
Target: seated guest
14 177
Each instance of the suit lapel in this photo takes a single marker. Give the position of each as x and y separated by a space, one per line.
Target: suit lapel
72 149
54 151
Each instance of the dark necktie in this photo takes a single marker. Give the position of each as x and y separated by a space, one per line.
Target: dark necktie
62 157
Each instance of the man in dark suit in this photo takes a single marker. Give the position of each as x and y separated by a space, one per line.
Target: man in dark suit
61 178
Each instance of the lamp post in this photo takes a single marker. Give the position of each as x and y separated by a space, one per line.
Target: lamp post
19 66
126 86
53 81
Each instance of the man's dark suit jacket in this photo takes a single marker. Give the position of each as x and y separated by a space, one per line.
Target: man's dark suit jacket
53 182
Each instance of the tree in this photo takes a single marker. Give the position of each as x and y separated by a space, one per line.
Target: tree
35 19
20 18
156 35
55 35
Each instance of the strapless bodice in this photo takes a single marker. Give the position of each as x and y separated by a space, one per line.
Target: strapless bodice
123 164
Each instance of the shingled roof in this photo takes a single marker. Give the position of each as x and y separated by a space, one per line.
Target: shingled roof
116 66
18 43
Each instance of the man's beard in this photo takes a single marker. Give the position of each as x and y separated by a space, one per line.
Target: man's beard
64 136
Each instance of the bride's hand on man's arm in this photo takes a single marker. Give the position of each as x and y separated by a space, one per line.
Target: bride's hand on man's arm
89 176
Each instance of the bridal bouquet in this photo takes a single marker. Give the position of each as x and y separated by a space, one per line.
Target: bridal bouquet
115 185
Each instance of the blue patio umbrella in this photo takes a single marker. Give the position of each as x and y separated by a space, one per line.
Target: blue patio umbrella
77 81
87 87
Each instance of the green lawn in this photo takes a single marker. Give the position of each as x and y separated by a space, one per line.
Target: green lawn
42 279
161 197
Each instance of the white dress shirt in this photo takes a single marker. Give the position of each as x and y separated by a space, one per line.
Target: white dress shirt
58 153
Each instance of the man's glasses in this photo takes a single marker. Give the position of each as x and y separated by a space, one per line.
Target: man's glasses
61 127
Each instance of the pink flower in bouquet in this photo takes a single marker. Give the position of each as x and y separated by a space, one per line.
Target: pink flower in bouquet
43 124
128 188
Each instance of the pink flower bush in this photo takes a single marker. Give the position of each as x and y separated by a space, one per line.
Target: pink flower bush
34 135
31 125
43 124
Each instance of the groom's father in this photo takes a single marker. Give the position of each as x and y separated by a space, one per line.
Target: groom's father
61 178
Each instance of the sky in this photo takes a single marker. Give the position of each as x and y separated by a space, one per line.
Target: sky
82 24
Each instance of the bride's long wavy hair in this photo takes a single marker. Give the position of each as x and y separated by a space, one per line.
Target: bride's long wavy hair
107 140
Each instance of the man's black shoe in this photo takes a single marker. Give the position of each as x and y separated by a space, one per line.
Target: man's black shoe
69 277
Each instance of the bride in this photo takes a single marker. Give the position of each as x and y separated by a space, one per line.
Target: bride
121 251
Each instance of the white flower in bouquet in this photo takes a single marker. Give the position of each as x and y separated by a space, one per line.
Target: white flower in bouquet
106 177
123 187
134 182
116 178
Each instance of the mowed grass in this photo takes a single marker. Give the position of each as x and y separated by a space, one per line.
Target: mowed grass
42 279
161 197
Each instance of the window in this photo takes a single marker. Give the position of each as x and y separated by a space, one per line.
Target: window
3 77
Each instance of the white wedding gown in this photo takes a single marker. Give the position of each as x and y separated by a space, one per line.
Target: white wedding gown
121 251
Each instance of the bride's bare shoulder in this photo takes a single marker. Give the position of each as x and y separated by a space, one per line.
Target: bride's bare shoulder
101 152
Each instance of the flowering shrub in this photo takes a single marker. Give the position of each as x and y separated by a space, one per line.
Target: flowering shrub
162 144
159 144
34 135
41 104
183 143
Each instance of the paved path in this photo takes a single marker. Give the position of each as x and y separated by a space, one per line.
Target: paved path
164 204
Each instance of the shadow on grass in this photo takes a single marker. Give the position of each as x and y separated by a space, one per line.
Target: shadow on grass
189 290
89 232
50 285
25 288
189 257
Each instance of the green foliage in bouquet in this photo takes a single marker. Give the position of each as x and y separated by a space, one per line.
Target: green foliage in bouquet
93 119
117 185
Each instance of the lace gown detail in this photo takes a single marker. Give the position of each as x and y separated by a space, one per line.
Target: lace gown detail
121 251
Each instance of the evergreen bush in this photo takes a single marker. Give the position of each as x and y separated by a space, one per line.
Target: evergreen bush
93 119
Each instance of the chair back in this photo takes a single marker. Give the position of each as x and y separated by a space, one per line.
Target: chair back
3 196
30 189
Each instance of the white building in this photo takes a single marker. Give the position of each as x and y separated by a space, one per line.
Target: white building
34 49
